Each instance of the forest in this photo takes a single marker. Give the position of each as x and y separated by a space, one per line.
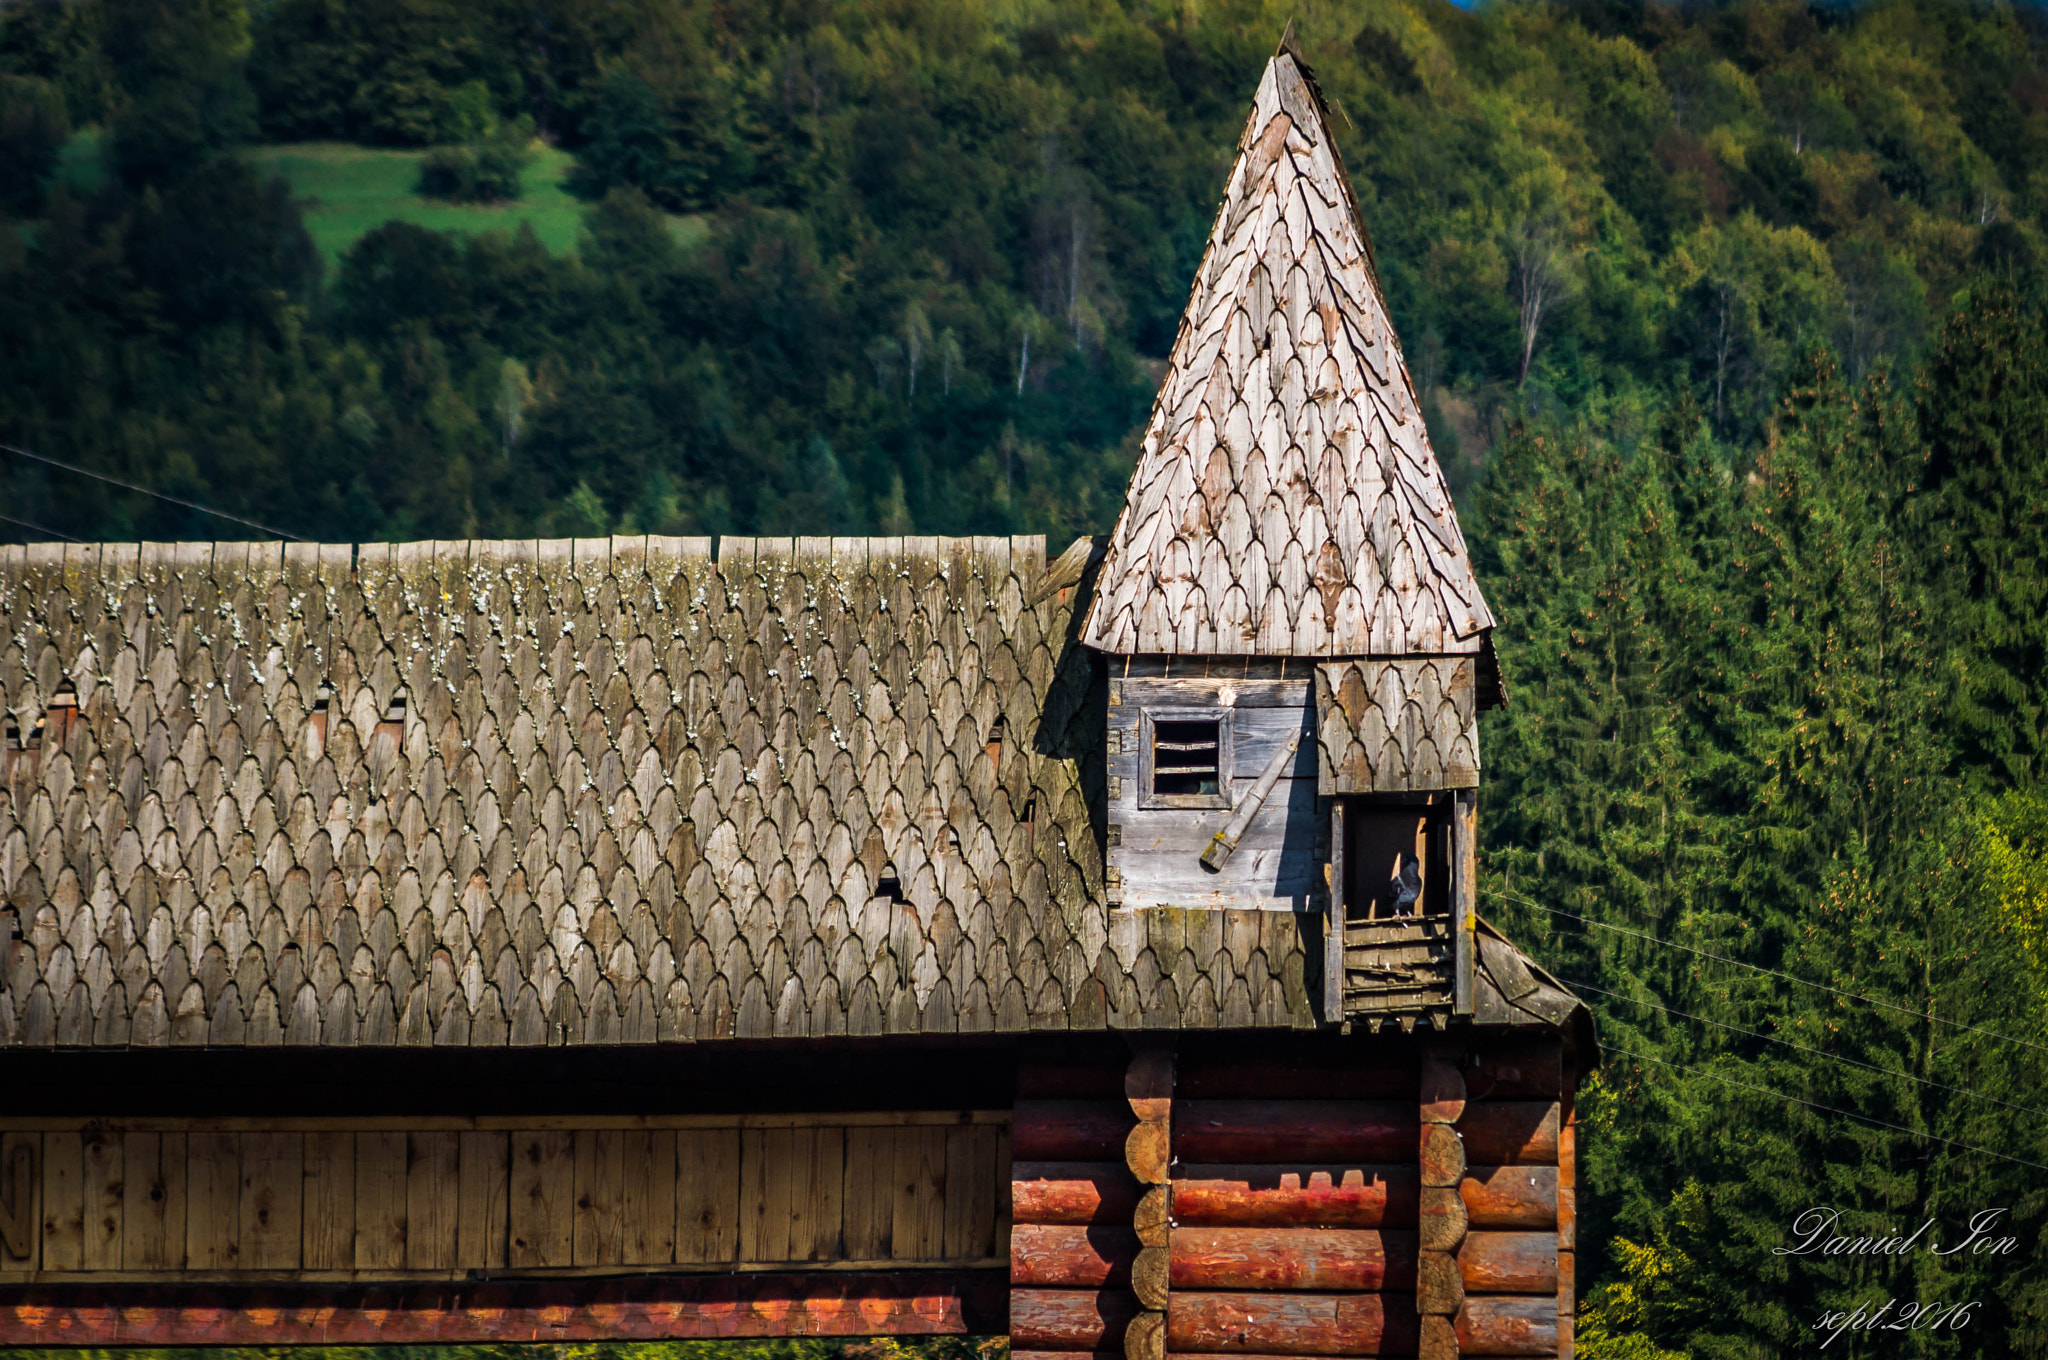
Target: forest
1728 322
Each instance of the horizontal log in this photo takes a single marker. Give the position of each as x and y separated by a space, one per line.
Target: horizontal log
1292 1324
1067 1355
1508 1324
908 1303
1509 1262
1071 1257
1070 1130
1510 1196
1510 1132
1098 1080
1518 1070
1391 1078
1269 1131
1070 1319
1293 1258
1296 1196
1072 1192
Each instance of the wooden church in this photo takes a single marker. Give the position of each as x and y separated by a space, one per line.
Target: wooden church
641 938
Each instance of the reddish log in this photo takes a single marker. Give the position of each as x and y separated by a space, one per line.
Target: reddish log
1102 1080
1509 1262
1070 1319
1292 1324
1069 1130
821 1303
1516 1070
1072 1192
1295 1196
1508 1324
1391 1077
1510 1196
1293 1258
1066 1355
1567 1178
1442 1155
1071 1257
1510 1132
1271 1131
1567 1304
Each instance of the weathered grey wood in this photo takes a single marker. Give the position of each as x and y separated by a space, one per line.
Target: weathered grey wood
1157 857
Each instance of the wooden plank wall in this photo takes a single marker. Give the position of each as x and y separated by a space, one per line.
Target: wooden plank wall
1155 853
242 1200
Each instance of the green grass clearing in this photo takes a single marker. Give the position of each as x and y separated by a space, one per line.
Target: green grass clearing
346 191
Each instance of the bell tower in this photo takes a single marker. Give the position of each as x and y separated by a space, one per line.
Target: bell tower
1298 649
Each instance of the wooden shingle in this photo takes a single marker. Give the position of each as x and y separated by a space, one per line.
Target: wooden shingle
1286 500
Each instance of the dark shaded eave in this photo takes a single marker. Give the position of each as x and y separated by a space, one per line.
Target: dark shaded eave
1512 989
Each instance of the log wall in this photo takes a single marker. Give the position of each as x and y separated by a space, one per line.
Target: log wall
1402 1197
1082 1214
241 1201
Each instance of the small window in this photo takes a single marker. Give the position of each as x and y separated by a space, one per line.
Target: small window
1186 759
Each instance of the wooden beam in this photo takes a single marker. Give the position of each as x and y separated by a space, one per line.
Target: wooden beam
1071 1257
1464 898
1333 922
1293 1258
1270 1131
1072 1192
1292 1324
1070 1319
1508 1324
916 1303
1295 1196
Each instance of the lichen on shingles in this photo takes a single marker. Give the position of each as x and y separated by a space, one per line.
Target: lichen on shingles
591 825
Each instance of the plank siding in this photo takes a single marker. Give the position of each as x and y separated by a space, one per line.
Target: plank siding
1157 851
204 1202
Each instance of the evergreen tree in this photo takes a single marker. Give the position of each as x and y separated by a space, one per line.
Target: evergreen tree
1985 416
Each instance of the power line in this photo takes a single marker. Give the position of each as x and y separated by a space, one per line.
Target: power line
1757 967
39 529
116 481
1829 1109
1817 1052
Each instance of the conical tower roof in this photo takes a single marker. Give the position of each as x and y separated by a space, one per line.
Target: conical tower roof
1287 501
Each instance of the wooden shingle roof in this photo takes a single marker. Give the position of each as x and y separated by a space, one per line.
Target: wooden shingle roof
1286 501
590 791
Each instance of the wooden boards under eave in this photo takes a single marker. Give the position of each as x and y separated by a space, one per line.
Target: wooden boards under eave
193 1200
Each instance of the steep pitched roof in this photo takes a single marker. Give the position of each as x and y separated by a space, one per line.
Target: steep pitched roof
633 792
1286 501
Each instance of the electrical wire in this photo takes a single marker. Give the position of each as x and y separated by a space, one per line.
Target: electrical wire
1757 967
1828 1109
39 529
1817 1052
131 486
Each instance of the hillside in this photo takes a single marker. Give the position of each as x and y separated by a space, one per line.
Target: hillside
1727 321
